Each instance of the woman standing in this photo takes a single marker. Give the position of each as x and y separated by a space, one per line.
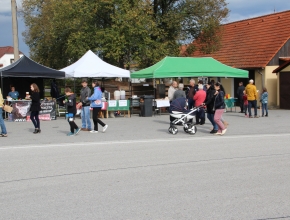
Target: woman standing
35 107
209 102
2 125
96 104
219 106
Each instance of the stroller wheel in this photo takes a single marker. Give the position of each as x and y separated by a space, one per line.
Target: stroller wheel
190 129
172 129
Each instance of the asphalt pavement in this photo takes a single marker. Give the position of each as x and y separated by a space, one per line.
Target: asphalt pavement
137 170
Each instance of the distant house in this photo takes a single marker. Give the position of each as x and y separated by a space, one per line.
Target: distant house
259 45
7 56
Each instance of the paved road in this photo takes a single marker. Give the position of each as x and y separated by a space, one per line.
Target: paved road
136 170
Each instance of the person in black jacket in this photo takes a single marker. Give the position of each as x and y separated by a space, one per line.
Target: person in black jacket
35 107
209 102
70 102
240 93
219 107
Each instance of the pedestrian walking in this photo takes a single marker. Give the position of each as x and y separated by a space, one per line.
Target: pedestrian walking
2 124
85 105
209 103
264 101
35 107
219 106
96 104
70 103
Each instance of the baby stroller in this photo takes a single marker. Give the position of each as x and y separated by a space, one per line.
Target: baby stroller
179 111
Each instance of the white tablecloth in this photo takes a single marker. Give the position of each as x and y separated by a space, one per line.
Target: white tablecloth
162 103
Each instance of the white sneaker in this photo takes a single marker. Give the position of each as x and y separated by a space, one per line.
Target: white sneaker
224 131
105 128
93 131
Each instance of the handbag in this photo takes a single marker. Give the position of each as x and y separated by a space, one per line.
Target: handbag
7 108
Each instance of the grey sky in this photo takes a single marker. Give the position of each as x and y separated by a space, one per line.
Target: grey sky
239 9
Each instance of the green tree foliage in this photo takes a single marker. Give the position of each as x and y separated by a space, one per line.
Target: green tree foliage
125 33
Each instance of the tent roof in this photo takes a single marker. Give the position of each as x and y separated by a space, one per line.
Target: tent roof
189 67
25 67
90 65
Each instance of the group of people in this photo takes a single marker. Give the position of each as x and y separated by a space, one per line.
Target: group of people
87 101
248 97
34 108
209 96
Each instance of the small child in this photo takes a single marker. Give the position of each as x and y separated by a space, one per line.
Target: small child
71 110
264 101
245 99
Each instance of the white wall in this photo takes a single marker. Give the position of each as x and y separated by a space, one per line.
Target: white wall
5 59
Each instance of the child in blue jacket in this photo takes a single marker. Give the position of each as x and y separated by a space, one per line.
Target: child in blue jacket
264 101
96 104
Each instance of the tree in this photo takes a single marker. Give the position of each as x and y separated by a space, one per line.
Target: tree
122 32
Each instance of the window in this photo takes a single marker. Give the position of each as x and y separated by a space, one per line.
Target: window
11 61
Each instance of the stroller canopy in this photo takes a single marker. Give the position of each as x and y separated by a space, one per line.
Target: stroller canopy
178 104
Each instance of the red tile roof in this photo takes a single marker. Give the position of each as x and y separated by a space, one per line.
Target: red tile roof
253 42
281 67
7 50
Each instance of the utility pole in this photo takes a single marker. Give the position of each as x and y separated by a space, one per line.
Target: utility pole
15 29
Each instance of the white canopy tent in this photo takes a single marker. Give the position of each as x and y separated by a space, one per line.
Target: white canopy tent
90 65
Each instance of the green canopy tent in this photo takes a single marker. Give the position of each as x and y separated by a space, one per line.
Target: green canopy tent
189 67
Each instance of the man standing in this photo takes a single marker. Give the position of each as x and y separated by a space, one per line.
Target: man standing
179 93
85 103
171 90
252 97
240 93
191 93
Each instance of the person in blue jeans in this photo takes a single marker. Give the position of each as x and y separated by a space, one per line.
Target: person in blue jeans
209 102
2 124
264 101
85 104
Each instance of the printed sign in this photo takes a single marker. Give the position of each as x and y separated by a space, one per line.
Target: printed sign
112 103
21 110
122 103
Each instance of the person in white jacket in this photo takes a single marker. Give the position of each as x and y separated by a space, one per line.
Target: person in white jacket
171 90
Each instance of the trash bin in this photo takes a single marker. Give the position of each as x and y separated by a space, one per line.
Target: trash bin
146 105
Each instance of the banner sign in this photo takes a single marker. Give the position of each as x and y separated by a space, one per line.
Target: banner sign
21 110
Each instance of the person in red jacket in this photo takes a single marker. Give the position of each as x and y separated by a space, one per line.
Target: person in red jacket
199 98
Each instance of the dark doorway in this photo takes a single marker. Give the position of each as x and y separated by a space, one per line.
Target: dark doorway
284 90
244 80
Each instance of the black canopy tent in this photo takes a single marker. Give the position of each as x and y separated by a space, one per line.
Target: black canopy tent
24 72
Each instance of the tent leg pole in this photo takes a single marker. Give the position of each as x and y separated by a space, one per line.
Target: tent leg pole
1 83
74 85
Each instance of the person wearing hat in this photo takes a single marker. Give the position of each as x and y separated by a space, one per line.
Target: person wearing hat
2 124
85 104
